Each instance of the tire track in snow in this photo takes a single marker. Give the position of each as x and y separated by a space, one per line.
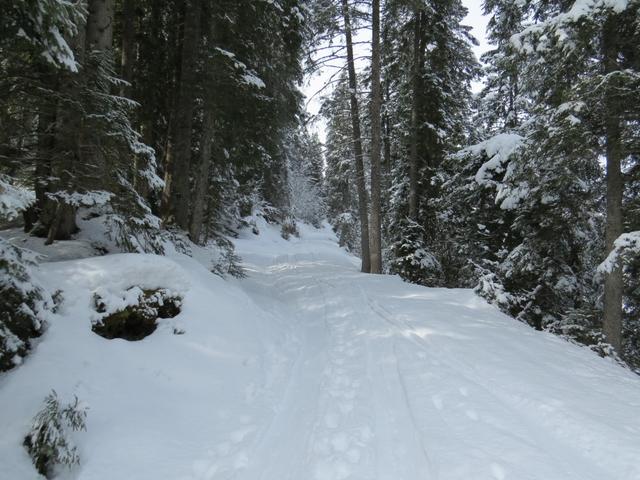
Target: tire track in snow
555 448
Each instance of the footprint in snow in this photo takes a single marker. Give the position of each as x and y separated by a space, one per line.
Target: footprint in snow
331 420
498 472
349 394
437 401
340 442
241 460
346 407
240 434
353 455
336 470
366 433
472 414
463 391
223 448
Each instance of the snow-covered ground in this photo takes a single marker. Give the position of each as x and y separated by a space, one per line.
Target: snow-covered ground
309 370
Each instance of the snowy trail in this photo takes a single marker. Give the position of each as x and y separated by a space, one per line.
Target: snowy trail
310 370
408 383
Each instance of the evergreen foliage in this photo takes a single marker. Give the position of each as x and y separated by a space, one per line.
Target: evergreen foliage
48 441
173 121
24 305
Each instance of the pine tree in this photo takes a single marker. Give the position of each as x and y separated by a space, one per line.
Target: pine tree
434 65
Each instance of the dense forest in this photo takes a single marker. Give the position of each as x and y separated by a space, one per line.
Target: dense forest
319 239
173 121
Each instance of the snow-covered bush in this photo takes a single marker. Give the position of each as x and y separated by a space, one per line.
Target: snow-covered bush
413 261
133 315
13 198
625 248
228 262
626 254
48 441
24 305
289 228
305 199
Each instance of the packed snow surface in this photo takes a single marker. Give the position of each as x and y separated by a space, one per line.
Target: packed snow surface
310 370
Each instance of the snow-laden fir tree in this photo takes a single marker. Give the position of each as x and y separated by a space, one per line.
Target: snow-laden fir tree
431 58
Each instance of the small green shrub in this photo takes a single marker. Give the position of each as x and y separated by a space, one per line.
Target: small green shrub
229 262
48 441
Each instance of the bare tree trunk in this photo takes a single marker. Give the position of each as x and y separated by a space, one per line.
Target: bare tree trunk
387 151
357 144
98 37
202 178
57 217
613 285
127 58
376 98
415 112
175 198
100 25
42 173
386 122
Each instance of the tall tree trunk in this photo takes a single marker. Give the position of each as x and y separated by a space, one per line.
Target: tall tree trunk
614 227
58 217
416 81
175 198
376 98
98 38
202 178
386 121
128 45
42 174
100 25
357 143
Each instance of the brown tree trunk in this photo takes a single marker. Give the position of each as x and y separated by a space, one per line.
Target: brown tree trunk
175 198
613 285
357 144
375 227
98 37
42 173
202 177
58 218
416 82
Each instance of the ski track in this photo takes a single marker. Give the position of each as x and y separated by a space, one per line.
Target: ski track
374 395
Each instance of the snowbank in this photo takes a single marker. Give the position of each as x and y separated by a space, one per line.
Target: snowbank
308 369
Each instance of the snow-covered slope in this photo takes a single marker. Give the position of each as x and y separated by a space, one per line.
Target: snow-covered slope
309 370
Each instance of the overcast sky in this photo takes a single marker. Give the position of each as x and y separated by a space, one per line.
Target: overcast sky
478 21
475 19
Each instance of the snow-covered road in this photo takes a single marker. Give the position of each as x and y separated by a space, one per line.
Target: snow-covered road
398 382
310 370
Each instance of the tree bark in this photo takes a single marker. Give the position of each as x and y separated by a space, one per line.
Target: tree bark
416 81
357 143
100 25
128 45
175 197
376 98
42 174
613 285
202 178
